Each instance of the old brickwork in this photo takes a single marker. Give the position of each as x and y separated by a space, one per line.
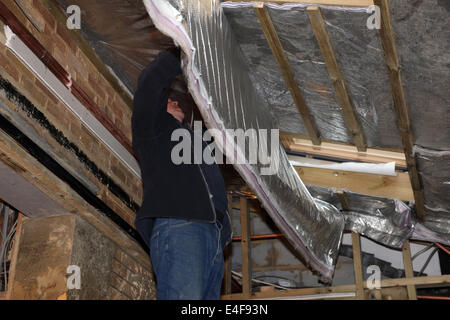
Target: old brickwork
64 49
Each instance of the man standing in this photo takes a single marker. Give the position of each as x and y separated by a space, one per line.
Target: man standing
183 217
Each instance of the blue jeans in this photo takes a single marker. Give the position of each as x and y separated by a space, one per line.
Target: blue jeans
187 259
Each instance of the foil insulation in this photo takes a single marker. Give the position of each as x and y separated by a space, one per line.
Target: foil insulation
387 221
219 83
360 57
237 84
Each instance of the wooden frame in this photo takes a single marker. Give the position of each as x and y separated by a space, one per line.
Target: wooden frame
360 288
285 69
324 41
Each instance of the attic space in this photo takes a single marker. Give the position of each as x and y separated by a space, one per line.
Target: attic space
311 138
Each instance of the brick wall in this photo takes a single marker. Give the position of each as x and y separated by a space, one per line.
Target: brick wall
64 49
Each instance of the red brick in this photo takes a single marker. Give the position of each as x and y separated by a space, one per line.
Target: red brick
52 98
49 19
63 32
9 68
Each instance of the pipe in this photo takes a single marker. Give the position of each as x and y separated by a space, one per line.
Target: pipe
433 298
261 236
442 248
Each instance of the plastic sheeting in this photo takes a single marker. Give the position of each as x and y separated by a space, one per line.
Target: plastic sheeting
219 82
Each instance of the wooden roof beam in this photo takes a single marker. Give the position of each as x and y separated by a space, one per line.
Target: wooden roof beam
401 108
285 69
323 39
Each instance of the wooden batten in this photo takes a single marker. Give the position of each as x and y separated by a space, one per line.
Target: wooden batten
323 39
285 69
400 105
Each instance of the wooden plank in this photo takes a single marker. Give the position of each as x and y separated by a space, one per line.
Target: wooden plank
343 199
387 283
324 41
14 253
400 105
409 272
245 248
227 254
357 264
299 143
344 3
397 187
285 69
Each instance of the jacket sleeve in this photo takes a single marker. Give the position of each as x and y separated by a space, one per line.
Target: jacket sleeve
150 100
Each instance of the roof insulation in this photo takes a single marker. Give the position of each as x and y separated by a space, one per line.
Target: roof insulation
237 84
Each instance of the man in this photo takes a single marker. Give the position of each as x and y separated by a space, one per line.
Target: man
183 217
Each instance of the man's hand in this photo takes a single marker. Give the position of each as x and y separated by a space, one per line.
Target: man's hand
175 51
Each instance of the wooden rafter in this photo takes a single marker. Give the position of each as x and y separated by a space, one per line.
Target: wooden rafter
344 3
401 108
323 39
285 69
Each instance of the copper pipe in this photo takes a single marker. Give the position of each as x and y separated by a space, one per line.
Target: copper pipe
433 298
261 236
442 248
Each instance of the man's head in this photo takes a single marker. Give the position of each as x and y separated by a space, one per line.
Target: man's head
175 110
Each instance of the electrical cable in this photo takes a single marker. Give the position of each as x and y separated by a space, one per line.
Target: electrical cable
422 251
428 260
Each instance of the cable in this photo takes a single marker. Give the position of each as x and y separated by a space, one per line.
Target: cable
259 281
422 251
428 260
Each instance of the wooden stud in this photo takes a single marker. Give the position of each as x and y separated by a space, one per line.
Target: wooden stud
401 108
344 200
323 39
357 263
227 253
245 247
344 3
285 69
409 272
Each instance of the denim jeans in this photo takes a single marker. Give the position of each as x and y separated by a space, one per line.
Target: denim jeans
187 259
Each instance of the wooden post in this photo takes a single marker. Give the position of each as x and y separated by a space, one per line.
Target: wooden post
400 105
227 254
245 246
357 263
409 272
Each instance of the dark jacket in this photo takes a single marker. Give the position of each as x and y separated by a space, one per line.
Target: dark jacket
170 190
